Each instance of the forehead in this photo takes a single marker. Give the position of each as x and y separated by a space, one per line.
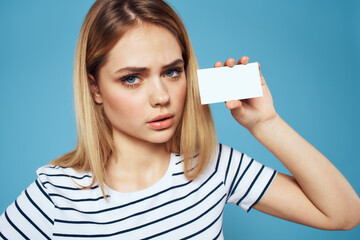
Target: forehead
145 45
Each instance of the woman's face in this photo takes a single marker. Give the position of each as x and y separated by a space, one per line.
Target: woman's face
142 85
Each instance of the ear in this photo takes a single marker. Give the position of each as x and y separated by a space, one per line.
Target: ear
94 89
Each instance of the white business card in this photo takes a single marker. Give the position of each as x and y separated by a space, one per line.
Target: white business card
229 83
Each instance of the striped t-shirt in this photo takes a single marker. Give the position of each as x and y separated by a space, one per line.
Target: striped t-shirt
53 207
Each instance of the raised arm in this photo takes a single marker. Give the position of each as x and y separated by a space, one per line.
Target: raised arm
316 194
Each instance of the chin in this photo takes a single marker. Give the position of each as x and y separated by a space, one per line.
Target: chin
161 137
161 140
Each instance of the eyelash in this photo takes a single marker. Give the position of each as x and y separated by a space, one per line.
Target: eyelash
177 70
125 78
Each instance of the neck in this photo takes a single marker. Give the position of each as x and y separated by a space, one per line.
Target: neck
137 163
135 153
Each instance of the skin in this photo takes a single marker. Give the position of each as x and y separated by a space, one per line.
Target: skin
316 194
133 97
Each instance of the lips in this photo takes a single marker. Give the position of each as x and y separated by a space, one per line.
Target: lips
162 121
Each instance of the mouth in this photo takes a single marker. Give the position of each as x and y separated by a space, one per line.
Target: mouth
162 121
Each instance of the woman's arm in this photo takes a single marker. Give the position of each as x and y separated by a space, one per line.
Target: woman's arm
317 194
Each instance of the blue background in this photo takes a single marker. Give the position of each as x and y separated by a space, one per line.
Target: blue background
309 53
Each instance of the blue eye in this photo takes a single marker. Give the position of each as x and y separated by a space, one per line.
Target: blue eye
130 80
170 73
173 73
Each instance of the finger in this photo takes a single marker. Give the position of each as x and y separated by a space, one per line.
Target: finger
262 79
261 76
230 62
218 64
232 104
243 60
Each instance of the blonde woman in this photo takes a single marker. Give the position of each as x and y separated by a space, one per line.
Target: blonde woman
147 164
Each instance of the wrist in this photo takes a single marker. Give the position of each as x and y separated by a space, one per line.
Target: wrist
268 126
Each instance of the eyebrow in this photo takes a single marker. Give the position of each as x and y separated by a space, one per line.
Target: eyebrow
144 69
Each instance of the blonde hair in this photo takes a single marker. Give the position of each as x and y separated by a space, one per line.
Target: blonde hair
105 23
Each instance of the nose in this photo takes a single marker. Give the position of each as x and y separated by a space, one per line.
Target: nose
159 95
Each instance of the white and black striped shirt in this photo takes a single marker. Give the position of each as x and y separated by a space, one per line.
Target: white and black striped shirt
54 207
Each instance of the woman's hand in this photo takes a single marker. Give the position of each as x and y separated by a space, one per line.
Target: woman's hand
317 194
252 112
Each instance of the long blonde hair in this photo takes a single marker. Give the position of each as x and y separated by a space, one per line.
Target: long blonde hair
105 23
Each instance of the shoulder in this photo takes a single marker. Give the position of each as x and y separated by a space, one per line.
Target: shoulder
54 173
57 171
222 151
231 160
224 155
59 179
225 159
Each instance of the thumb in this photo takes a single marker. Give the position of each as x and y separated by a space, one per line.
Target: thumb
233 104
237 108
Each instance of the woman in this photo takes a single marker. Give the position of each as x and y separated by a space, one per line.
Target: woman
147 164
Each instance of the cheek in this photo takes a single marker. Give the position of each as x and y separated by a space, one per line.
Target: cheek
180 93
120 106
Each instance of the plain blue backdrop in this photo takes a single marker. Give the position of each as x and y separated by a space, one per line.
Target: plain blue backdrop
309 53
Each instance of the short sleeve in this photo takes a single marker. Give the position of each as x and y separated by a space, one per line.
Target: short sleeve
246 180
30 216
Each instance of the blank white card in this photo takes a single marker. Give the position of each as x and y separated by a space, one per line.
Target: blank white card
229 83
